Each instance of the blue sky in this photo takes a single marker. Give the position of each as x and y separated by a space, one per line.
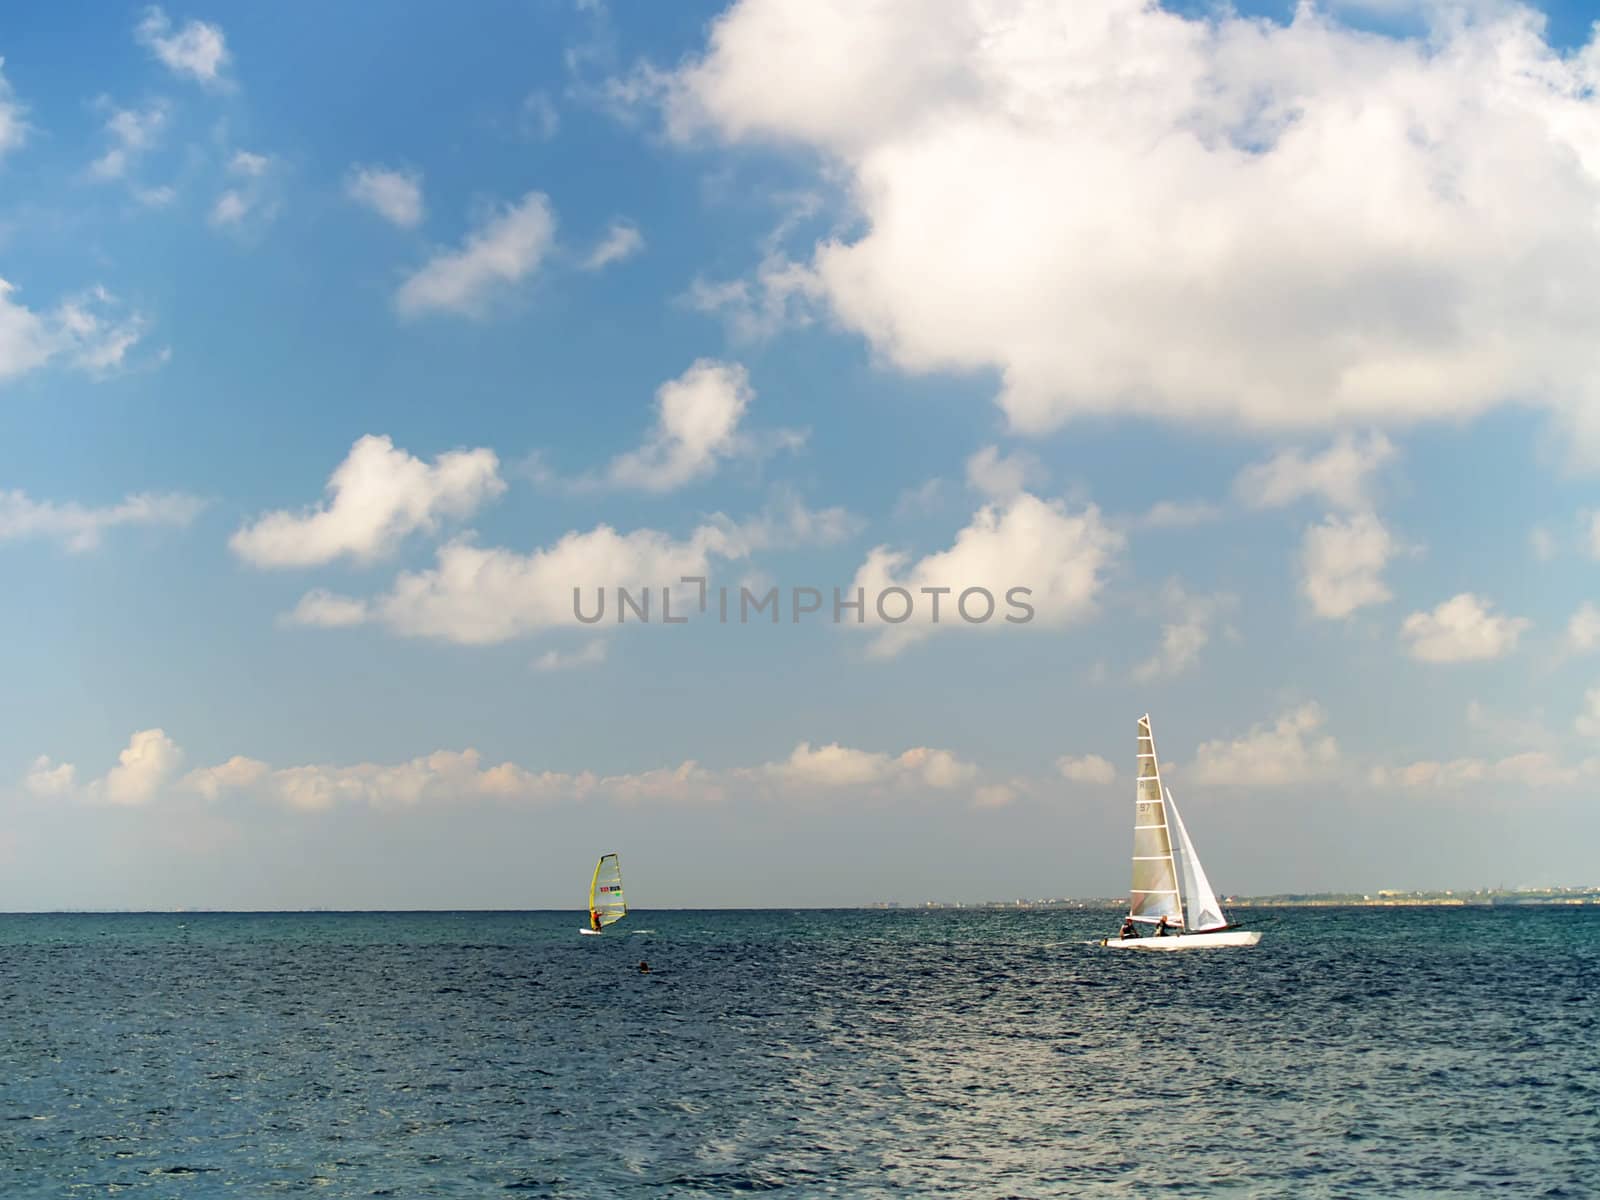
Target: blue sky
337 349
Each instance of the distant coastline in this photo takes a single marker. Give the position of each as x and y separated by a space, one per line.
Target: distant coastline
1384 898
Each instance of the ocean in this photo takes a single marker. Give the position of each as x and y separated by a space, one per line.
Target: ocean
1355 1052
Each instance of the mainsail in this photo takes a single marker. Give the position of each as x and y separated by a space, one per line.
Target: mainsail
605 890
1204 911
1155 876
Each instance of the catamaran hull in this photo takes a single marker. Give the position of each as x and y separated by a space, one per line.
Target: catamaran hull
1185 941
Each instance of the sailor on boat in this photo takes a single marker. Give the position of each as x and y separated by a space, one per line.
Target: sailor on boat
1162 927
1128 930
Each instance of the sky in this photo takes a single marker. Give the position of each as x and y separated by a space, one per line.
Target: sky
1259 346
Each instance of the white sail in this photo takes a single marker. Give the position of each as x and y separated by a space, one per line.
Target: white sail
1155 876
1204 911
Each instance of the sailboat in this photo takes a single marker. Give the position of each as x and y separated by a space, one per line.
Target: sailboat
1155 894
606 905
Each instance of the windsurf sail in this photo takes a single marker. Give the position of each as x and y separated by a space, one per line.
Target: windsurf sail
1204 911
1155 876
605 891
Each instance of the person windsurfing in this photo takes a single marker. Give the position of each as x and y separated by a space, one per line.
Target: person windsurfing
594 920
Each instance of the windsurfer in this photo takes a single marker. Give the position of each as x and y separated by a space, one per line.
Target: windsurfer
594 920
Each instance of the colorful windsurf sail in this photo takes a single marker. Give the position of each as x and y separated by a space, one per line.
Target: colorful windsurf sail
606 905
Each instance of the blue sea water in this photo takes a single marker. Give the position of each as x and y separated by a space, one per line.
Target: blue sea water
1355 1052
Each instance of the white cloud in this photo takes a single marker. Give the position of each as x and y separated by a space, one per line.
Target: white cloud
91 332
79 528
994 795
1178 514
478 596
459 776
781 295
1024 543
1340 475
142 769
1583 630
322 609
503 250
250 166
132 133
1089 768
1000 477
46 778
1288 752
230 209
377 496
1317 225
592 654
836 766
1462 629
13 123
1588 722
622 240
1186 634
697 424
198 50
234 775
395 195
1534 768
251 201
1342 563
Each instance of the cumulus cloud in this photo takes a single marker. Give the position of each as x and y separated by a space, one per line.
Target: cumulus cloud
1341 475
1088 768
13 117
148 763
234 775
322 609
377 496
622 240
47 778
477 595
462 776
395 195
1178 514
697 423
504 249
80 528
1001 476
1342 562
1317 225
132 132
1462 629
198 50
1534 768
91 332
1026 542
592 654
1288 751
249 202
1583 630
1185 633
